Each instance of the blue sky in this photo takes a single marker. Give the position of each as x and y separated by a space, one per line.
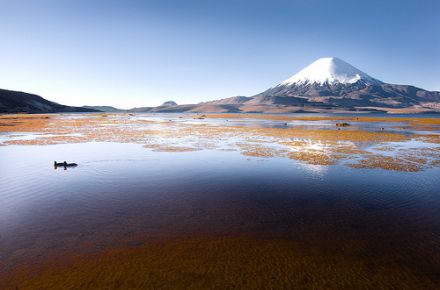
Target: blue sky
142 53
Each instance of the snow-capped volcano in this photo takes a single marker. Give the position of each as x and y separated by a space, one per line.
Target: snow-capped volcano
325 77
329 70
330 85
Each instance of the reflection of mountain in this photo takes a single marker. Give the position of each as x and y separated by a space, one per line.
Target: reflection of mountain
13 102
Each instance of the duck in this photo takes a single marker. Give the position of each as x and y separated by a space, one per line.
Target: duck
64 164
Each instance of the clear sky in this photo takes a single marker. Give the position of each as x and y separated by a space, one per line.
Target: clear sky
142 53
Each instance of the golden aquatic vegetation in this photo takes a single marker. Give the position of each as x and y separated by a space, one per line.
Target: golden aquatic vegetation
360 118
429 138
390 163
307 142
169 148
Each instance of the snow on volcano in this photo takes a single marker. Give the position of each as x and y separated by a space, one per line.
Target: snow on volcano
329 70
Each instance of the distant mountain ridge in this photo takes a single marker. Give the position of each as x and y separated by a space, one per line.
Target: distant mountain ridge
20 102
327 85
109 109
169 104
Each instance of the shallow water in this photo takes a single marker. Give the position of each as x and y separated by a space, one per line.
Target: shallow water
127 195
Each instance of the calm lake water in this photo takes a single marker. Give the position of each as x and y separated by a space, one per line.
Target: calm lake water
125 194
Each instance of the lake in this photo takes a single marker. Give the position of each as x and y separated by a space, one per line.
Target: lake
227 201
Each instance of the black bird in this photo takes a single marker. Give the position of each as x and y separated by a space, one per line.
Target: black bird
64 164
